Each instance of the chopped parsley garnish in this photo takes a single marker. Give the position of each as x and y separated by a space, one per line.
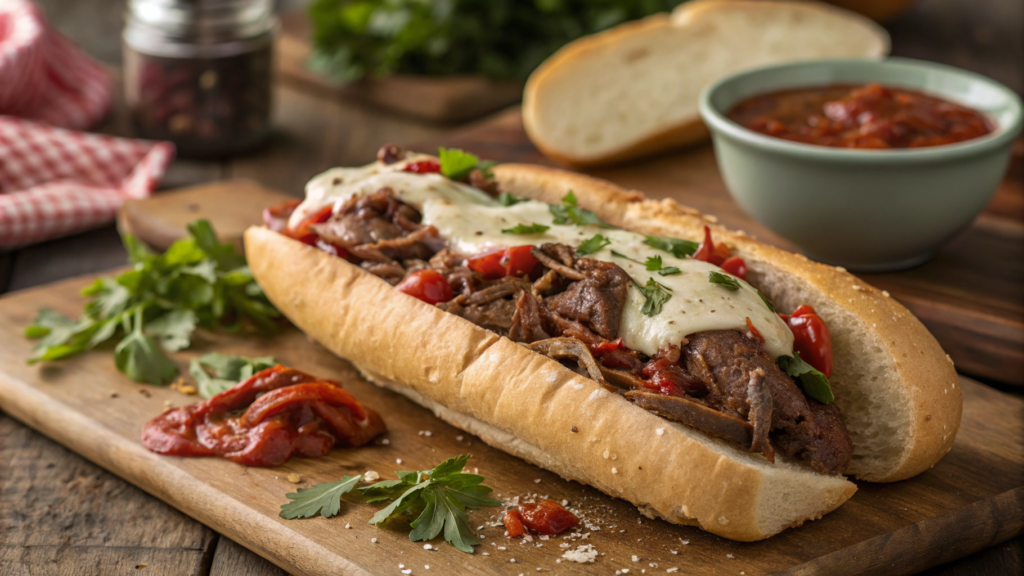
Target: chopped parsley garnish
676 247
457 165
227 371
524 229
766 302
723 280
655 295
569 211
654 264
323 499
592 244
813 382
621 255
506 199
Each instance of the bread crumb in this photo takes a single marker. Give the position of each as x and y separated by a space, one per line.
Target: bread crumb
371 476
840 268
294 478
348 526
615 470
635 558
583 554
885 293
858 287
653 565
606 454
373 540
660 431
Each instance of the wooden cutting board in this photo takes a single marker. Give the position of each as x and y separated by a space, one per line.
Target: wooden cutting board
974 497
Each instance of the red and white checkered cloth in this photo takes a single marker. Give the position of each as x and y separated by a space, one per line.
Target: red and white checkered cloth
53 181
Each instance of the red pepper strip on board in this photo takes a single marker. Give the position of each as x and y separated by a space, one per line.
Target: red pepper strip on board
547 517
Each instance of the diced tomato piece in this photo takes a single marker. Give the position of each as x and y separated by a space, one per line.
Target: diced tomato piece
811 338
488 263
736 266
548 517
501 262
514 523
428 285
423 167
518 261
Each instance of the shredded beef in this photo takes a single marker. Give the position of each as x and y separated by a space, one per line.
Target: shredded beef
595 301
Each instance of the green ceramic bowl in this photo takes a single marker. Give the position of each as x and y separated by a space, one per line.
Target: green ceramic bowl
867 210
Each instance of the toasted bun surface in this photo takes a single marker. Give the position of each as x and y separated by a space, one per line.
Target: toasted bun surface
893 384
633 90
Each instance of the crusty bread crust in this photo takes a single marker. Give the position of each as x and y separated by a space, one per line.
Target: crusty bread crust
528 404
669 136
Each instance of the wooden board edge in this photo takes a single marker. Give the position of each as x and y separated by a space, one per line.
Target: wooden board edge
950 537
148 471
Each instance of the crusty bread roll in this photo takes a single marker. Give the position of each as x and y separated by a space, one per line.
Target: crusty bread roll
633 90
896 388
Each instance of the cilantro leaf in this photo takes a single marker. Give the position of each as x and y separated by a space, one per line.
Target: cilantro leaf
139 357
655 295
766 302
676 247
593 244
506 199
569 211
456 164
723 280
323 499
524 229
813 382
174 329
53 327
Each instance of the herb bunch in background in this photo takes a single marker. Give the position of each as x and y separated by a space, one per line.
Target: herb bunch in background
501 39
157 305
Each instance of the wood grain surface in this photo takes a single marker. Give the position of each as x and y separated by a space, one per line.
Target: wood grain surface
972 499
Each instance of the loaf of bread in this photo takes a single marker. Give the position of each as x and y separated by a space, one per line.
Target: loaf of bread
633 90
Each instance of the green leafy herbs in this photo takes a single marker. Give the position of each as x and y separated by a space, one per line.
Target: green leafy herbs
215 372
436 501
524 229
813 382
500 39
624 257
592 244
655 295
322 499
676 247
654 264
723 280
570 212
155 307
506 199
766 302
457 165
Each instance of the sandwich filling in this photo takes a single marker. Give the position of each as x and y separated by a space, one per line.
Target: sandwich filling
646 317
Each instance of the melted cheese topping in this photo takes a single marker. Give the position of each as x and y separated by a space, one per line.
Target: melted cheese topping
472 222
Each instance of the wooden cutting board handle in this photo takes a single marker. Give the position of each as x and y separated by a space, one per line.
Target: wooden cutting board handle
230 205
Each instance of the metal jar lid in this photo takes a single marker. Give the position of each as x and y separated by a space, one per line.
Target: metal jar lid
198 28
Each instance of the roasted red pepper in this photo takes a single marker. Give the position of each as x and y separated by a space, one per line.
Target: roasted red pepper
276 217
755 334
736 266
548 517
811 338
423 167
427 285
303 232
265 420
719 255
501 262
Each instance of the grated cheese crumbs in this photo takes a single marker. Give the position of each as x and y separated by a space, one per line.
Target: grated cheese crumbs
398 460
348 526
583 554
636 558
373 540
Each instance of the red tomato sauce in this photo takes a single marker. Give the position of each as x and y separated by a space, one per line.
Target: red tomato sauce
265 420
548 517
871 116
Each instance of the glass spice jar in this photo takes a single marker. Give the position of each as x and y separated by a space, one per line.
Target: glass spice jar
198 73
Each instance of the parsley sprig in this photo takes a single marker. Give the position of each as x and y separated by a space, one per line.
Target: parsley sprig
227 371
655 296
676 247
654 264
457 165
526 229
437 498
723 280
813 382
593 244
157 305
569 211
506 199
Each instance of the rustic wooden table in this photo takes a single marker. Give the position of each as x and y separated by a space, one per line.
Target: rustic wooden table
60 514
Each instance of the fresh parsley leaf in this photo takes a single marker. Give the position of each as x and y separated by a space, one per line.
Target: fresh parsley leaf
593 244
813 382
506 199
52 327
322 499
439 497
174 329
723 280
676 247
456 164
524 229
655 295
139 357
766 302
653 263
623 256
227 371
669 271
569 211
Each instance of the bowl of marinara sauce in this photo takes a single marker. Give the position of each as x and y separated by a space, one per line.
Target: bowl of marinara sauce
870 165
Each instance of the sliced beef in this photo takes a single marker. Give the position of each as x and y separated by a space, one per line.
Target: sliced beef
380 228
526 322
595 301
800 427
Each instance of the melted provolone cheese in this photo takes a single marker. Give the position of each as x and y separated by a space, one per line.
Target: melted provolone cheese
472 222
